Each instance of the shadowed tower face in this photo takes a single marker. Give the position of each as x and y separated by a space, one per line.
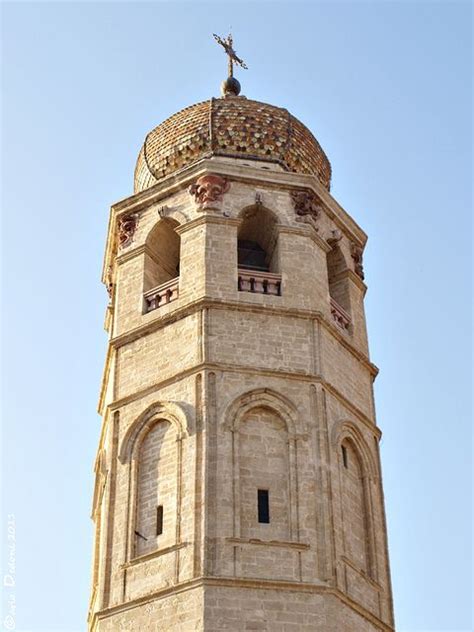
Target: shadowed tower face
238 481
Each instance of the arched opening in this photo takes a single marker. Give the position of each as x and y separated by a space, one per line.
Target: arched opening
257 245
354 503
257 250
338 287
162 250
155 522
161 268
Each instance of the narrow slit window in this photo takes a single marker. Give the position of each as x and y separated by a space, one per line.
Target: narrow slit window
344 455
263 506
159 520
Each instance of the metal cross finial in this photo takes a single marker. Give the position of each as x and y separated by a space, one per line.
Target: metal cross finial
227 45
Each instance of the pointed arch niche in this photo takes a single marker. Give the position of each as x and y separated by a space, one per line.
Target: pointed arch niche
264 464
153 450
357 471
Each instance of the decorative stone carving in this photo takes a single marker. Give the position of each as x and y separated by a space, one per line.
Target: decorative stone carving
357 256
127 225
109 282
307 207
334 237
209 190
340 316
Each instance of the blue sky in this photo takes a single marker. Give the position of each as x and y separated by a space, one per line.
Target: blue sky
386 89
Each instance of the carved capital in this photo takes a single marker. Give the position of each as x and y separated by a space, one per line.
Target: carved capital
127 225
357 254
307 206
209 190
334 237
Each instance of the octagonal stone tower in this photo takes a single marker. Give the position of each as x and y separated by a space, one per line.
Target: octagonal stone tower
238 481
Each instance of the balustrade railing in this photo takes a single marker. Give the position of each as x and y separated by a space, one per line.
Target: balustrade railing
340 316
259 282
161 295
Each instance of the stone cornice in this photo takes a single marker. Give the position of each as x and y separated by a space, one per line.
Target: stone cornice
154 554
207 219
206 302
299 546
252 584
236 368
238 172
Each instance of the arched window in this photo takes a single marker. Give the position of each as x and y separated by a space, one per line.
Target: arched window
156 498
354 506
161 254
257 250
258 241
337 283
161 266
338 287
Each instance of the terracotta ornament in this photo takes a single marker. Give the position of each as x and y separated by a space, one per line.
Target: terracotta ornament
127 224
334 237
209 190
307 206
357 256
109 282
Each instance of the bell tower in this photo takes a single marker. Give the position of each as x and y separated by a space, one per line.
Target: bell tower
238 481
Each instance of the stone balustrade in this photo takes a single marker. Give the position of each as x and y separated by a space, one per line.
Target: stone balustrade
259 282
161 295
340 316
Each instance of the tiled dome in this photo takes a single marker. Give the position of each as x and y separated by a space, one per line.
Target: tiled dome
231 126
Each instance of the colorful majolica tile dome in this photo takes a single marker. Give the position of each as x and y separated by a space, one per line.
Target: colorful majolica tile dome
232 126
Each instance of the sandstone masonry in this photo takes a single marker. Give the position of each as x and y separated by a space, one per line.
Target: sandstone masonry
238 480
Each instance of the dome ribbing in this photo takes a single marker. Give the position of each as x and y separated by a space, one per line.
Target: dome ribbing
234 127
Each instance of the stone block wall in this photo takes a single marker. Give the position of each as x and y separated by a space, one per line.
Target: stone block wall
260 609
171 612
157 480
221 393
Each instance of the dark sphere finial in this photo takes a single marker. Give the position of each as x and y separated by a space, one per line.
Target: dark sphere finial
230 87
